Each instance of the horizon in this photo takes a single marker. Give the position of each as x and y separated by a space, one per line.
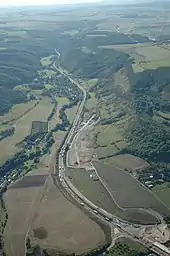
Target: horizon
44 2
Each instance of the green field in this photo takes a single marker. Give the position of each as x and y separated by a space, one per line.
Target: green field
23 127
92 102
109 140
107 134
46 61
71 113
92 189
127 247
146 55
163 192
104 152
127 191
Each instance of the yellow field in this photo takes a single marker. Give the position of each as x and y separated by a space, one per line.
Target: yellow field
92 102
71 113
16 111
46 61
107 134
23 128
146 55
60 102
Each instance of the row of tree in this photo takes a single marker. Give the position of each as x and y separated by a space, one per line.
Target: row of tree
6 133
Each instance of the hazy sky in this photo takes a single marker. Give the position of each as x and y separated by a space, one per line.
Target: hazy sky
43 2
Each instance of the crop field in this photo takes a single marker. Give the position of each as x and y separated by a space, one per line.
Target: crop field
71 113
127 191
21 200
109 140
46 61
103 152
127 161
23 128
17 111
64 230
38 127
20 203
163 191
45 73
60 102
92 102
107 134
92 189
146 55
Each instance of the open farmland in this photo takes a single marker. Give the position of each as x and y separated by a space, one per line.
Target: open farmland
17 111
163 192
39 127
61 101
23 128
92 102
127 191
64 230
21 201
92 188
104 152
109 140
146 55
71 113
127 161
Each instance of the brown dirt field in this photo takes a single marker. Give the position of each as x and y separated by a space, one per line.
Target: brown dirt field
60 225
30 181
127 191
127 161
19 203
21 199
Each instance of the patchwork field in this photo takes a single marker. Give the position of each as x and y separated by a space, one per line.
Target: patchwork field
109 140
64 230
127 191
23 128
94 190
146 55
61 101
21 200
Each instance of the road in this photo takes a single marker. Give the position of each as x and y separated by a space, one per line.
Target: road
124 228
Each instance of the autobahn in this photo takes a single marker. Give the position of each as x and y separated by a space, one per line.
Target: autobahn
75 193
